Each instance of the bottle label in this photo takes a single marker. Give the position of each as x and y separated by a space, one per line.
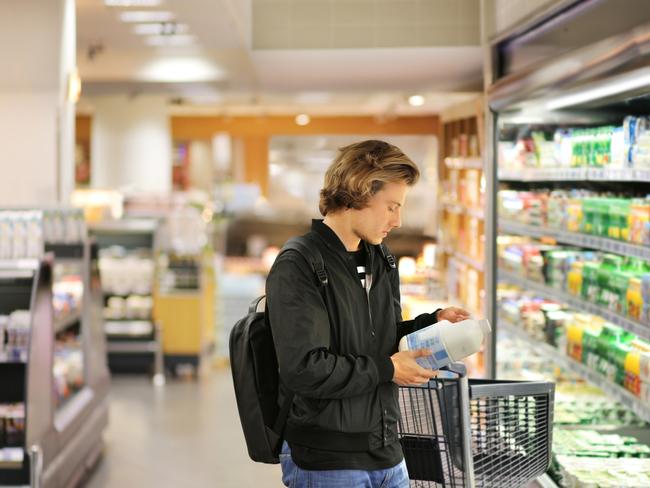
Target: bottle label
429 339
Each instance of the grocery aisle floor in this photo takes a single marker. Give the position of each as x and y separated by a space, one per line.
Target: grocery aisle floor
186 434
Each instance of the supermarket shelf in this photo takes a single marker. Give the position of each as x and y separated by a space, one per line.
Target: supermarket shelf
130 347
140 226
73 408
630 325
617 392
575 239
464 210
125 295
575 174
66 322
14 460
66 250
466 259
464 163
5 360
19 264
134 328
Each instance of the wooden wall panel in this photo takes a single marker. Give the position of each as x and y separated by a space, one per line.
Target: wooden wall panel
205 126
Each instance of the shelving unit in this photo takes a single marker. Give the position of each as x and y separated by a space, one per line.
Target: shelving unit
637 328
551 124
575 239
64 323
462 214
575 174
184 303
618 393
464 162
477 213
61 440
475 264
132 348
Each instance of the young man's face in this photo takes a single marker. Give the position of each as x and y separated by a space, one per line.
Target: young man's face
383 213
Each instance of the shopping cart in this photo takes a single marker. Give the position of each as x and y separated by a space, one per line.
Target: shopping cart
457 432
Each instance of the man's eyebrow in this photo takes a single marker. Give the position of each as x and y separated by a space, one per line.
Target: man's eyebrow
395 203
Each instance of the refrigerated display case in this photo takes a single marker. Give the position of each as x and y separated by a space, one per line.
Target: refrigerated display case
568 267
54 380
127 256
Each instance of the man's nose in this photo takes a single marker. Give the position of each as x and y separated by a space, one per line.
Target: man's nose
397 219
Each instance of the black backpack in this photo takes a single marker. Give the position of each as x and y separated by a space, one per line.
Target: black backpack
254 367
255 375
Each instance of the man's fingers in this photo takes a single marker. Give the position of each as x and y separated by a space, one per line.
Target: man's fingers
429 373
418 353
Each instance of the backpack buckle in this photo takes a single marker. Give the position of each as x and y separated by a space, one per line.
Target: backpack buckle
322 275
391 261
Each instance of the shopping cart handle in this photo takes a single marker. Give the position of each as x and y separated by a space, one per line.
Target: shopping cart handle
459 368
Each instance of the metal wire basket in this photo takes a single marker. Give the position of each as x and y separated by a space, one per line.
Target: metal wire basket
457 432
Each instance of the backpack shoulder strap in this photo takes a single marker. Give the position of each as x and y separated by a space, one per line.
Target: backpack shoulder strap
311 253
388 257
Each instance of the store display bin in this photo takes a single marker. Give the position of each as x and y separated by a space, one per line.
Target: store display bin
457 432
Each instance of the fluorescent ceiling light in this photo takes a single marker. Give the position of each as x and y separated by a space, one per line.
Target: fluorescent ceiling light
146 16
178 70
614 86
416 100
165 40
132 3
160 28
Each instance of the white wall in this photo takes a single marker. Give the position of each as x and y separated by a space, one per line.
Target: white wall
29 149
37 51
131 143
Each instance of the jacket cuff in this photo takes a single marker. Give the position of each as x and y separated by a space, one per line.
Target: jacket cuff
385 369
426 319
435 315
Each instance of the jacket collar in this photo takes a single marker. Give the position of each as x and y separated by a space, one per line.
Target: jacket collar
334 242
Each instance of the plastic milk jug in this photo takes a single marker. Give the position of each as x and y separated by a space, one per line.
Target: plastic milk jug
448 342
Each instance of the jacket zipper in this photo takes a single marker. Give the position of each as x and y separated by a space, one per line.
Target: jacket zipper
368 285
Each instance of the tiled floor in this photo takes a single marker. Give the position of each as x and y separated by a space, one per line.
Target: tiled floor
185 434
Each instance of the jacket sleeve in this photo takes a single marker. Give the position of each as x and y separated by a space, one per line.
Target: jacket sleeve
405 327
301 334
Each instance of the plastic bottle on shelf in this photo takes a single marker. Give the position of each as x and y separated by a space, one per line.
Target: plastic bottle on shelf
448 342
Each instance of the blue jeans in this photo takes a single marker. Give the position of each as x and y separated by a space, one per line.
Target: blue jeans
295 477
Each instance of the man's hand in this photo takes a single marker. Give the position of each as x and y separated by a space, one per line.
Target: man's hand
453 314
408 371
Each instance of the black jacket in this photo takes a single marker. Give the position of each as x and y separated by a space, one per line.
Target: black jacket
333 345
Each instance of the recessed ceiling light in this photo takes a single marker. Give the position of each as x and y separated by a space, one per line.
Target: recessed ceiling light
165 40
303 119
132 3
160 28
146 16
416 100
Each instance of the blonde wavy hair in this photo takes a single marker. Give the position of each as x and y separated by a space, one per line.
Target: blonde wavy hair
362 169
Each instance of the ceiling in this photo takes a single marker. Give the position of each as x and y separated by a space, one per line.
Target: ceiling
325 57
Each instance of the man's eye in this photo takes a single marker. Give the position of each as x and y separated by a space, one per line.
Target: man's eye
391 209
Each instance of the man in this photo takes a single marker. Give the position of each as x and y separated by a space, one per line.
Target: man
337 345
